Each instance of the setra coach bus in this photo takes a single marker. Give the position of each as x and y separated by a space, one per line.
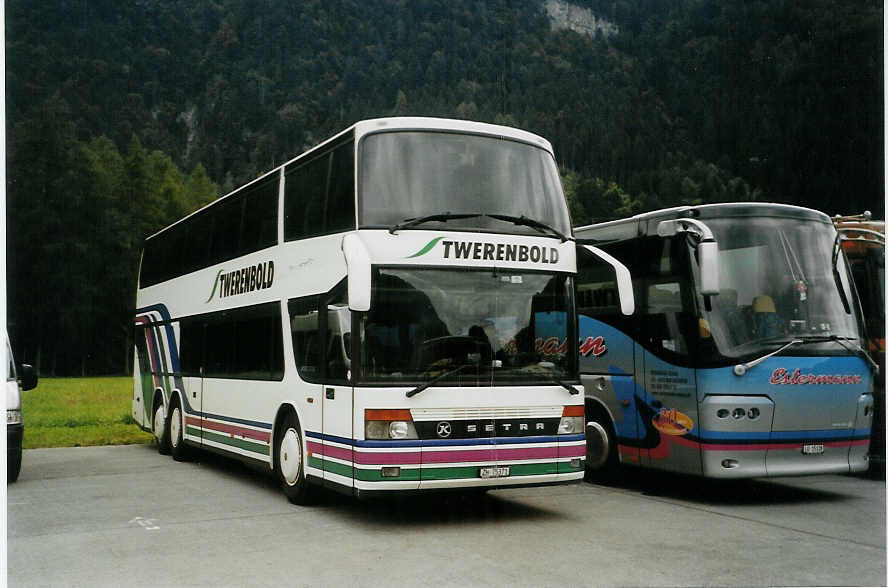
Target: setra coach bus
390 311
743 357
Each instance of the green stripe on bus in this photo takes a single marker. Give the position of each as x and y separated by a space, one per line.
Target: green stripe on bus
330 466
465 472
415 474
241 443
455 473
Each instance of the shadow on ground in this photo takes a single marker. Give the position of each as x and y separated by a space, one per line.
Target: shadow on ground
747 492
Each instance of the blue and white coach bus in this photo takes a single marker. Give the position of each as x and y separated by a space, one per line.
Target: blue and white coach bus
393 310
743 357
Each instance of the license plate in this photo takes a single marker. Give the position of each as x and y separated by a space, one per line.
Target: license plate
495 472
812 449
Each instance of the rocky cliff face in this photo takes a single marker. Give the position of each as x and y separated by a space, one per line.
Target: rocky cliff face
564 15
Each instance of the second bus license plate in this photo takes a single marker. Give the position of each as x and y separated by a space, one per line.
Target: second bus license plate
495 472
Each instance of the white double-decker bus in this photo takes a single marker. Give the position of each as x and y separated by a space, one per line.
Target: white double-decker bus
393 310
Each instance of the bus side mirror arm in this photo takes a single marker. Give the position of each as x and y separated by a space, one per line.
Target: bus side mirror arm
357 258
624 279
707 250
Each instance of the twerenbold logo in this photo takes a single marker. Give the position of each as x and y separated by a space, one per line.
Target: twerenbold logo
481 251
242 281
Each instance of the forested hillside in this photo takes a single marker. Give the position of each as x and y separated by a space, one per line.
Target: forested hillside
125 115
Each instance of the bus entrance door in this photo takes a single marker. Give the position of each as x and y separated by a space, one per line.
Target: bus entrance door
668 413
337 416
338 399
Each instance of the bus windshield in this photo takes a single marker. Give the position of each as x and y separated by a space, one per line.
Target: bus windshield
411 175
776 284
487 327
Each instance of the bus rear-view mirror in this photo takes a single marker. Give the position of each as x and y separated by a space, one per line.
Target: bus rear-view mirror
624 279
357 258
28 376
707 255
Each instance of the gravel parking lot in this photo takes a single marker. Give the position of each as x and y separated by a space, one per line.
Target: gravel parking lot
105 516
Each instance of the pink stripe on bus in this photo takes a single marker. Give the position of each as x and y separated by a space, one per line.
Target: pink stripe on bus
387 458
230 429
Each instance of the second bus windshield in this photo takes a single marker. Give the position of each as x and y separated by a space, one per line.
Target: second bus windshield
490 327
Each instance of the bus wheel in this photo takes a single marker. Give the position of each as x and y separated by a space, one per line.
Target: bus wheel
13 463
601 450
289 462
177 426
161 431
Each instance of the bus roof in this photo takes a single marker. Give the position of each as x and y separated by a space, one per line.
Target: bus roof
645 224
401 123
411 123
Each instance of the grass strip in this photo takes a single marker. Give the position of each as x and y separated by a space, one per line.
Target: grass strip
80 412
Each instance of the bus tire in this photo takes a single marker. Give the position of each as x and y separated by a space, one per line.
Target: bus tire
160 428
176 433
13 464
601 445
289 461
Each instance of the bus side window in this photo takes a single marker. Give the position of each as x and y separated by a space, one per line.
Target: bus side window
319 194
258 354
191 346
219 347
259 228
597 294
304 328
304 192
666 317
340 214
141 350
226 228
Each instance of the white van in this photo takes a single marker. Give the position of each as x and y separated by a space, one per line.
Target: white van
15 427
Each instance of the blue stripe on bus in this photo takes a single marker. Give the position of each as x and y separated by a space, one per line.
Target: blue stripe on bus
165 315
785 436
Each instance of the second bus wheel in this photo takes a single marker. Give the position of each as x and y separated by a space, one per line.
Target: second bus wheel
601 446
161 431
289 461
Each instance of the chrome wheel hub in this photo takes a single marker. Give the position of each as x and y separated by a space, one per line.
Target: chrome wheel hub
290 456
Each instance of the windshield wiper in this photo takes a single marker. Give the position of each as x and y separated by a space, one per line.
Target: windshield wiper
564 385
439 377
447 216
741 368
529 222
443 217
859 350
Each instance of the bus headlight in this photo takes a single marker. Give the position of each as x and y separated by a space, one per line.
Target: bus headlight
376 430
572 418
570 425
402 430
13 417
389 424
